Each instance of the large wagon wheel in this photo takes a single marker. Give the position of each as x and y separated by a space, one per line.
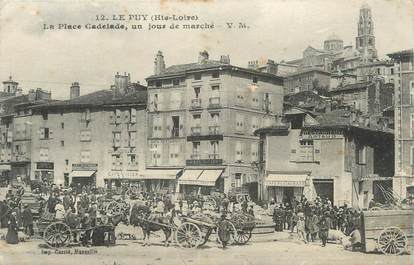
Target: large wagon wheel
57 235
392 241
188 235
242 236
233 233
114 208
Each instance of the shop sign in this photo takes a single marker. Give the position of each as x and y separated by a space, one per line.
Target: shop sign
123 175
85 166
45 165
321 136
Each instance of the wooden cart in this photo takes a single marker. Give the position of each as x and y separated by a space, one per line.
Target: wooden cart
388 231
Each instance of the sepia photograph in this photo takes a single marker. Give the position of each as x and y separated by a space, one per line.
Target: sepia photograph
206 132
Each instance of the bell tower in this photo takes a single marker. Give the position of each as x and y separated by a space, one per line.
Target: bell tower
365 41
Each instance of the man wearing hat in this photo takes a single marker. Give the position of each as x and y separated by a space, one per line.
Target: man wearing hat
223 230
27 218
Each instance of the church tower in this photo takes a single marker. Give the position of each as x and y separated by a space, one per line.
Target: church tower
365 41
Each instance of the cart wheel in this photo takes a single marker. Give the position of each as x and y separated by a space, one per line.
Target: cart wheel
114 208
57 235
188 235
242 236
392 241
233 234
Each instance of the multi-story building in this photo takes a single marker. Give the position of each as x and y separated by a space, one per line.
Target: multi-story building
326 155
313 79
369 97
404 121
94 139
15 130
201 118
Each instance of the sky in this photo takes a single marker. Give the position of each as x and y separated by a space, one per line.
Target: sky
278 30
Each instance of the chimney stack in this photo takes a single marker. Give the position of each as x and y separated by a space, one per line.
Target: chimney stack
159 63
74 90
203 57
225 59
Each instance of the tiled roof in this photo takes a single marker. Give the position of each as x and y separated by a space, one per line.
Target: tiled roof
7 105
182 68
308 71
99 98
394 55
355 86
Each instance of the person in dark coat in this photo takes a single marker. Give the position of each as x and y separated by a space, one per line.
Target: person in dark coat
12 236
224 229
66 201
244 206
225 204
324 225
51 203
278 216
250 211
4 214
86 224
27 218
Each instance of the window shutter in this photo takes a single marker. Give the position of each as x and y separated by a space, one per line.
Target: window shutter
125 139
42 133
87 114
127 116
111 117
132 139
50 133
133 115
269 102
255 123
9 136
317 150
264 104
117 116
254 151
181 128
169 126
238 151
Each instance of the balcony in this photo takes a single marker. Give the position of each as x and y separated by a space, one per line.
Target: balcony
204 162
214 102
196 103
195 156
195 130
214 156
214 130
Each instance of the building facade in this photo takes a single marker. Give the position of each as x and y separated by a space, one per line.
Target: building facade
201 119
97 139
326 157
404 121
307 80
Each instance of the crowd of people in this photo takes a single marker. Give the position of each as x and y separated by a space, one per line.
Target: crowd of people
83 210
313 219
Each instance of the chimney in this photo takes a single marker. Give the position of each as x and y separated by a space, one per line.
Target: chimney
202 57
225 59
74 90
253 65
159 64
32 95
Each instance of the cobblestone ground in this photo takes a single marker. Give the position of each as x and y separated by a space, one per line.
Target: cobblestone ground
276 248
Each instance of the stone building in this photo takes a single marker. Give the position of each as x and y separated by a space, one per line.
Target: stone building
313 79
404 121
201 118
326 155
96 139
15 130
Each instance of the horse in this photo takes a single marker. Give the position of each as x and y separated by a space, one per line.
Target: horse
141 216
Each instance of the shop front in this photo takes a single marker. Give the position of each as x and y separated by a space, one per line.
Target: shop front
199 181
284 187
44 172
115 180
83 175
4 175
160 180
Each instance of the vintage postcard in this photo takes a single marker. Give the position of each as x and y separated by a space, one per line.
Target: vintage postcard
206 132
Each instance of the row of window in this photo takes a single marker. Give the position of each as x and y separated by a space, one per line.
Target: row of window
127 116
175 151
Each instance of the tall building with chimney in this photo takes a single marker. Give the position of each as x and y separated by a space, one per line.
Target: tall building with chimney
201 119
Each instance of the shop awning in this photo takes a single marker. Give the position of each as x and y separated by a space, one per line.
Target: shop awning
5 167
82 173
209 177
286 180
189 177
160 174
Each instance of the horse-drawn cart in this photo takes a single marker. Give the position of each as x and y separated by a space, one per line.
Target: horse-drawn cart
388 231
